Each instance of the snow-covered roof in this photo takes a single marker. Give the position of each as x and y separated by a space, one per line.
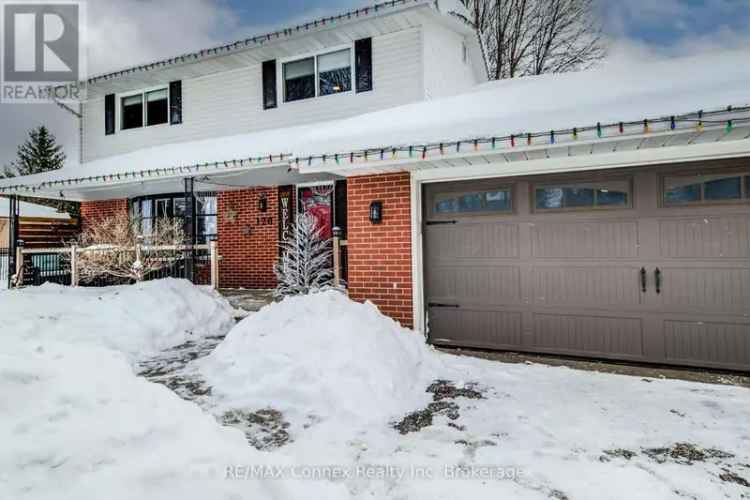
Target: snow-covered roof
31 210
447 7
609 95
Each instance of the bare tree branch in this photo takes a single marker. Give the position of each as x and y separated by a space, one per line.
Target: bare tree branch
113 246
532 37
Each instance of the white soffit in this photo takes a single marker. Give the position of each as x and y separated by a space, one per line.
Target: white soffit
651 149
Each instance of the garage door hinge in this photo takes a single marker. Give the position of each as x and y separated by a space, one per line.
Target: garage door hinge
438 222
434 304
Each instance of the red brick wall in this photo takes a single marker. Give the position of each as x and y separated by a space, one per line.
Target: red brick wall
92 210
380 254
248 238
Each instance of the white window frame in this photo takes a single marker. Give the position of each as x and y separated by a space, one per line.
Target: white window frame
281 89
142 93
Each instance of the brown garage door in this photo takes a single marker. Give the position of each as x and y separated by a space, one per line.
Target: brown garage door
644 265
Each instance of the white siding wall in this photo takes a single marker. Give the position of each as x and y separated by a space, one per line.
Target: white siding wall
230 103
446 73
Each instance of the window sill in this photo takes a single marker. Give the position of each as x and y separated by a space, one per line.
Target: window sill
310 99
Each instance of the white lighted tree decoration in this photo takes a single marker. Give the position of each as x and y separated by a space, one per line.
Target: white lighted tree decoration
306 259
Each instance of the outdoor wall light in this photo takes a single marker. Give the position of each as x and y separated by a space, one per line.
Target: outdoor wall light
376 212
263 204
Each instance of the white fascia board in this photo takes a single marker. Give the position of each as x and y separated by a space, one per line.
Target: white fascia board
578 163
426 169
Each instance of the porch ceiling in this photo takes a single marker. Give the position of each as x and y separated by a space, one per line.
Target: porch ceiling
211 180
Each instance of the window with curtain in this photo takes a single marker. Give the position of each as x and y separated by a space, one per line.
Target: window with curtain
157 107
335 72
206 217
132 111
299 79
149 209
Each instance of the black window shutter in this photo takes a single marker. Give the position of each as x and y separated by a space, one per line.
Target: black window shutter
109 114
363 64
269 84
175 102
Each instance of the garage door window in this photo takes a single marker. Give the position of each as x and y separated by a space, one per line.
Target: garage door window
697 189
474 202
609 194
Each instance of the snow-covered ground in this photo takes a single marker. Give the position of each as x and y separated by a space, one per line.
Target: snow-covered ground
327 387
75 421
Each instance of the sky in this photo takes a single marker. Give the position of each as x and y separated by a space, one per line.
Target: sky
128 32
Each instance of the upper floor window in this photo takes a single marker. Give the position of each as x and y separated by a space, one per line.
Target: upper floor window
151 108
325 74
157 107
698 189
335 72
132 111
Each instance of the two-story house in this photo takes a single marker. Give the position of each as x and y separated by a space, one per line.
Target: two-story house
601 213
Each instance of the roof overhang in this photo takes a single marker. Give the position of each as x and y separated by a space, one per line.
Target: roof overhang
206 179
572 156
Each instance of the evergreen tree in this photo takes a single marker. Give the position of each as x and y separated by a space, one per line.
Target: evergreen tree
40 153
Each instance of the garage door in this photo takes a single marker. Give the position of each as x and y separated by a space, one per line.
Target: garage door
650 265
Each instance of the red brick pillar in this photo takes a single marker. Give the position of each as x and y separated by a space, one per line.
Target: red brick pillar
380 254
248 238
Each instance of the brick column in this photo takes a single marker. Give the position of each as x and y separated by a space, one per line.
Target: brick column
248 238
380 254
94 210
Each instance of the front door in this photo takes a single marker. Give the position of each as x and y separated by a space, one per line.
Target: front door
317 200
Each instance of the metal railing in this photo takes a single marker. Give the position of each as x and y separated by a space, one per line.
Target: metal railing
340 259
34 267
4 271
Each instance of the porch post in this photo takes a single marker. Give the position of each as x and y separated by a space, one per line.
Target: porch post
12 238
189 228
337 257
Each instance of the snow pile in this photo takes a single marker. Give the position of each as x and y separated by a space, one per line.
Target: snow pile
322 355
75 422
137 320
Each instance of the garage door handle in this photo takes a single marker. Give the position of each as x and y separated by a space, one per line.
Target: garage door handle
644 278
439 222
657 275
434 304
